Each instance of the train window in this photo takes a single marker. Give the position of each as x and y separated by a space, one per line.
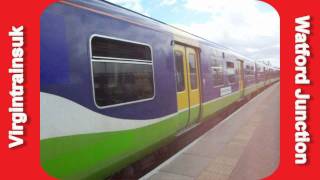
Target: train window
230 65
249 70
124 79
193 71
104 47
231 72
179 71
216 70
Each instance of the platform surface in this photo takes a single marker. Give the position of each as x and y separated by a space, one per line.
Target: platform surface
245 146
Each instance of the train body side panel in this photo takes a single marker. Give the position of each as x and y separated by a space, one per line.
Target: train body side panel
74 60
75 138
212 98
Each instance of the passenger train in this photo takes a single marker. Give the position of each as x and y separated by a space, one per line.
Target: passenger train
117 85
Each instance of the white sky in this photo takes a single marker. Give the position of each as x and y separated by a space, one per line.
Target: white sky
250 27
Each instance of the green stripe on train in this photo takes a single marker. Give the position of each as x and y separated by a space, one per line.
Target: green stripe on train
96 156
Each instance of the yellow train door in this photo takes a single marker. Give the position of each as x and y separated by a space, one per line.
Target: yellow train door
187 79
241 77
181 78
194 84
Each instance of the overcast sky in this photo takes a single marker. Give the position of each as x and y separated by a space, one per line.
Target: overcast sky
248 26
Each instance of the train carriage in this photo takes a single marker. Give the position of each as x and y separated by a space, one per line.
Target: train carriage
116 85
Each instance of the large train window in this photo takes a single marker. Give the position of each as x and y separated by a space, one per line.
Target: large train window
216 70
231 72
122 71
179 71
193 71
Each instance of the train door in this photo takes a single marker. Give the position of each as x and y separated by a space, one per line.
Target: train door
187 79
181 78
194 85
241 77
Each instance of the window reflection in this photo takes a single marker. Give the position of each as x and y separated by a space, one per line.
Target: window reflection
122 71
116 83
193 71
179 71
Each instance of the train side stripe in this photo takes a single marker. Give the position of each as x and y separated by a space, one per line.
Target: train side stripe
63 117
104 152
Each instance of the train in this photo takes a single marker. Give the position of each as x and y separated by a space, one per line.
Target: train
117 85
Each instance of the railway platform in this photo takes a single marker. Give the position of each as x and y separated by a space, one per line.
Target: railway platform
244 146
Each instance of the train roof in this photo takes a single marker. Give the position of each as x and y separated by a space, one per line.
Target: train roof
119 12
